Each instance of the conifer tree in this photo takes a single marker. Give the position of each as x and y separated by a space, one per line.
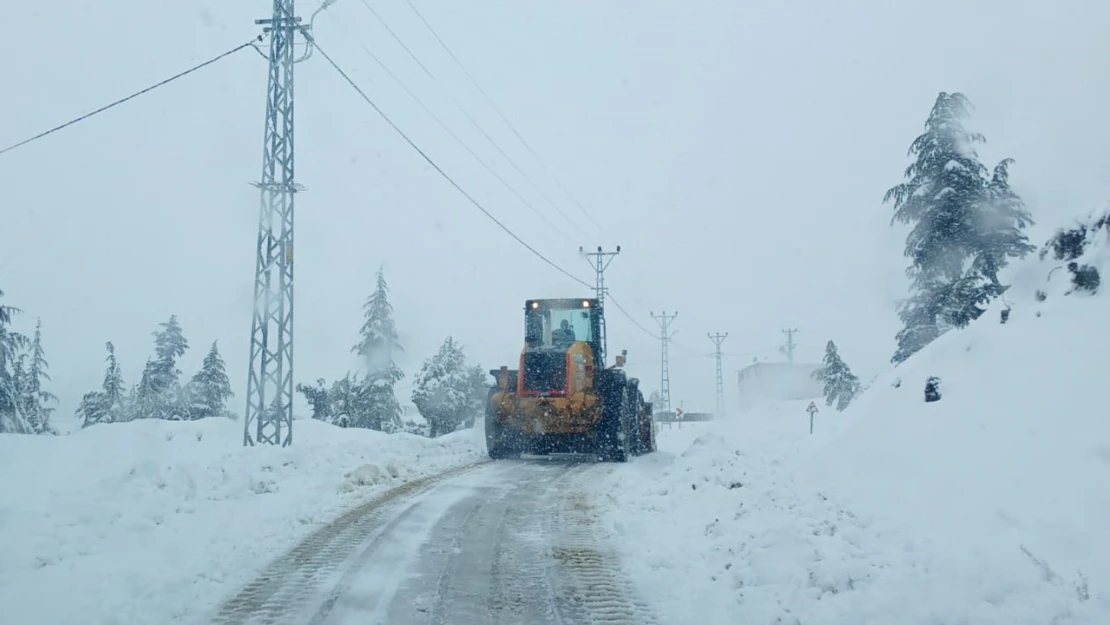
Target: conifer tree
169 345
159 394
317 397
445 390
345 402
1002 217
108 404
478 389
34 397
11 345
841 386
378 336
114 400
957 213
210 388
90 411
379 341
144 401
379 401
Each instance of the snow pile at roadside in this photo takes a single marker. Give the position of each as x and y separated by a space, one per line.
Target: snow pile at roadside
154 521
989 507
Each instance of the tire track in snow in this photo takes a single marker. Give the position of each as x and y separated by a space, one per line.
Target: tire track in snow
294 578
587 582
516 543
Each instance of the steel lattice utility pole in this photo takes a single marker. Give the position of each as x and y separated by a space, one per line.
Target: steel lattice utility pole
270 381
717 340
600 260
788 349
664 321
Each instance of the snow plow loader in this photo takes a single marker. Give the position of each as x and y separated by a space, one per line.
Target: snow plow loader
562 398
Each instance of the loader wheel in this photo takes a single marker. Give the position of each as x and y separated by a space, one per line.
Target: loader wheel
499 444
614 436
636 425
649 442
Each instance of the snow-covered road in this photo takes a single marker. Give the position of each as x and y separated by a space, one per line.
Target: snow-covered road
505 542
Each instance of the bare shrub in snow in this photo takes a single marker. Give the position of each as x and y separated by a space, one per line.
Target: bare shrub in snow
932 389
1083 278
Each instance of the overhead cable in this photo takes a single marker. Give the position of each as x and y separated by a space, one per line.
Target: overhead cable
438 169
133 95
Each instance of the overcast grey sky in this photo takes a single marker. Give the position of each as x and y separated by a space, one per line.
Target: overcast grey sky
738 151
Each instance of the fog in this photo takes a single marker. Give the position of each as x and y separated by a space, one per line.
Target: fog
737 151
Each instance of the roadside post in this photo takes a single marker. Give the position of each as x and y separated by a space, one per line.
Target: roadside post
812 410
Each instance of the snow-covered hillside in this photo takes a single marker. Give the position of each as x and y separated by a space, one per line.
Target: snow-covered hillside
150 521
987 507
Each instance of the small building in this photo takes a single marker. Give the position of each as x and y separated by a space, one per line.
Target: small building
762 382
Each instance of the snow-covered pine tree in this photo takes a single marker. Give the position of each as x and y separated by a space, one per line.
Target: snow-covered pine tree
379 401
210 388
938 198
159 395
957 213
317 397
107 405
141 400
19 423
378 342
169 345
115 402
345 402
378 336
1001 219
11 343
443 390
479 392
91 410
34 397
841 386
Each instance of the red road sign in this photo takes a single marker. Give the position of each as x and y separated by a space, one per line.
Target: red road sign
812 407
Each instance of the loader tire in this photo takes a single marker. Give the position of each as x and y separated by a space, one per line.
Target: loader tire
614 436
635 412
499 443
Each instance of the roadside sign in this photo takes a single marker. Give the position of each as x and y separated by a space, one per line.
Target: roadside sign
812 410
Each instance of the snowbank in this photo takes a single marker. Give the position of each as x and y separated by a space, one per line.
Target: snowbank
156 522
988 507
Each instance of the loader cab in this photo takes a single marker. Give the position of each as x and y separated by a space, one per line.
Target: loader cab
558 323
562 338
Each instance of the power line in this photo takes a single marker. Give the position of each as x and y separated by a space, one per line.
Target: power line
614 301
438 169
464 146
500 114
132 96
469 116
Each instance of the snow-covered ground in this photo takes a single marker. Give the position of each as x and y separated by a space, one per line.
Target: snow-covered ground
988 507
150 521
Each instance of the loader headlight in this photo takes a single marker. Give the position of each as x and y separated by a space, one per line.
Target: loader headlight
585 303
535 305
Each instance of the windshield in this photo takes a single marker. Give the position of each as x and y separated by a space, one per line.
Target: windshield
561 327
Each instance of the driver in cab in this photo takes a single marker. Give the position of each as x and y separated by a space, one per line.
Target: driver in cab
564 335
